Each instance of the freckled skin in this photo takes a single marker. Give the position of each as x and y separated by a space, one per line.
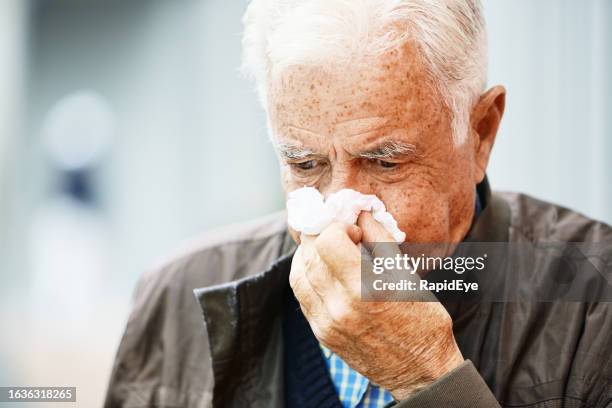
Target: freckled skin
333 110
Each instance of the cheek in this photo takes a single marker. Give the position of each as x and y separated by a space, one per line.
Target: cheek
287 181
423 214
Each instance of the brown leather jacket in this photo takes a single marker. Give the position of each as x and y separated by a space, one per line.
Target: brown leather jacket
526 354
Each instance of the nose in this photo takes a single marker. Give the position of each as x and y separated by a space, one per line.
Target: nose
344 175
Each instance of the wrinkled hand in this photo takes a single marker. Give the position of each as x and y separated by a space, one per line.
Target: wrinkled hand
401 346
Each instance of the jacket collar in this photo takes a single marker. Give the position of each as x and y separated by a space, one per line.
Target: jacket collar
493 223
242 318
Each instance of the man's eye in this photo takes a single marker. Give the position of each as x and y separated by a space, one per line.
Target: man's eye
306 165
386 164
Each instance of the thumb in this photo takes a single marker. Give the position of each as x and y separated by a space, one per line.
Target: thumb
376 238
372 230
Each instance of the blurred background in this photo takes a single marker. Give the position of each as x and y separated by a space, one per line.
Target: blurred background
126 128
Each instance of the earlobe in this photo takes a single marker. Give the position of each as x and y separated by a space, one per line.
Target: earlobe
486 118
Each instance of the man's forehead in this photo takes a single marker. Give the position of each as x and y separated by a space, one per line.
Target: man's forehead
347 93
346 83
361 130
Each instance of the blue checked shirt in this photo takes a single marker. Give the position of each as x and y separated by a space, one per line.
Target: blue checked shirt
354 390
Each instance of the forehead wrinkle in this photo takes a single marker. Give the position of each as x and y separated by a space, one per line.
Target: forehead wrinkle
358 126
304 130
377 136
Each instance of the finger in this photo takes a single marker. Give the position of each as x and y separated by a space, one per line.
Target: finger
353 232
341 255
299 282
325 314
336 244
378 240
373 231
311 303
315 269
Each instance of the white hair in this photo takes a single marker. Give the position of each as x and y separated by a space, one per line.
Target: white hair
450 35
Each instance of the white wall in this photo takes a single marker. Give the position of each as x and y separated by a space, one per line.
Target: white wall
12 44
555 58
11 54
190 152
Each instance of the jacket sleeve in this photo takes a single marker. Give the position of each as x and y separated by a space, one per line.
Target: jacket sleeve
163 346
463 387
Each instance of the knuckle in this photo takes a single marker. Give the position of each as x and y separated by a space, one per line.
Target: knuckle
330 235
322 242
316 279
342 315
308 262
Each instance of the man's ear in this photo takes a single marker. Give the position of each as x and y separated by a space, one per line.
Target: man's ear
484 121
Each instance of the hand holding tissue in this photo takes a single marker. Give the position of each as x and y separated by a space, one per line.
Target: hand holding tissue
309 213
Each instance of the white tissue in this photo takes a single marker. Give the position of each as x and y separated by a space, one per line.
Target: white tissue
310 214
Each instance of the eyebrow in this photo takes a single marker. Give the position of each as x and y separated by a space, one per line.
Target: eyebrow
291 151
389 149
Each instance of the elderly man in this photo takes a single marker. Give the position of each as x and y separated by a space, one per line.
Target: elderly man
384 97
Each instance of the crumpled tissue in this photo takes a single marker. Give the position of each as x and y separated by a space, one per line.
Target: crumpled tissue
309 213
